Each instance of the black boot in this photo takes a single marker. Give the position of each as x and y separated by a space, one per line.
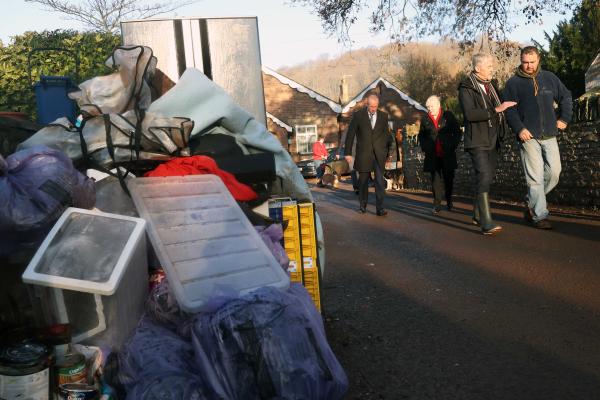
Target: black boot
488 227
476 216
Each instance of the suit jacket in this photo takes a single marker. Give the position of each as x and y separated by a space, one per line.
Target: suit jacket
449 134
372 144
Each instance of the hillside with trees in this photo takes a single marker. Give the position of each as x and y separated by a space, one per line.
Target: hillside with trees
418 69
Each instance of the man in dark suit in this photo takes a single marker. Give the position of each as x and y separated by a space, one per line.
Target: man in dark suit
370 127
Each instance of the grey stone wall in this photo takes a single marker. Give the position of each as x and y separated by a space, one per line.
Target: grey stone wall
579 184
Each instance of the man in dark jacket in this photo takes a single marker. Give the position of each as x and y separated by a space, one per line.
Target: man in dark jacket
370 127
439 136
536 125
484 126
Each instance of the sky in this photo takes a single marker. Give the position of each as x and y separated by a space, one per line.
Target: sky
289 34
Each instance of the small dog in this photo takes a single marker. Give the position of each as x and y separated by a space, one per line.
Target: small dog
330 179
394 179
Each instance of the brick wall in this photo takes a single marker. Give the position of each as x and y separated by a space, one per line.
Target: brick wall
297 108
579 184
280 133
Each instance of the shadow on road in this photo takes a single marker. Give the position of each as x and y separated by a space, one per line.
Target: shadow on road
408 320
419 205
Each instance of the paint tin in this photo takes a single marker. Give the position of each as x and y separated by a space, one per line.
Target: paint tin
78 391
71 368
25 371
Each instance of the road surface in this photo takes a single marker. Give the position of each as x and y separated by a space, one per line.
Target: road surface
419 306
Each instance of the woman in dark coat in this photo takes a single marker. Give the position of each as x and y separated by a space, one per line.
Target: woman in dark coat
439 137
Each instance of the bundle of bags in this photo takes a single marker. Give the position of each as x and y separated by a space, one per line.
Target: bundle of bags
268 344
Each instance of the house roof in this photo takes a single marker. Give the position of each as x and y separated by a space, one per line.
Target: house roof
279 122
301 88
389 85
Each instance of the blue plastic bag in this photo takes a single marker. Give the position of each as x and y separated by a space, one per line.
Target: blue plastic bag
36 186
159 364
268 344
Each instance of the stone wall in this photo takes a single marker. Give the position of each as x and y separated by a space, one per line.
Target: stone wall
579 184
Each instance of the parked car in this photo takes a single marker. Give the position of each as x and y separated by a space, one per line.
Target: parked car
332 165
307 168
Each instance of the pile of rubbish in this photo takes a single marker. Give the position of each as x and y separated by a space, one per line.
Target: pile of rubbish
164 266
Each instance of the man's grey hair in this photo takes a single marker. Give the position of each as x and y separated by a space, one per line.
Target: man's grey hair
372 94
478 58
432 99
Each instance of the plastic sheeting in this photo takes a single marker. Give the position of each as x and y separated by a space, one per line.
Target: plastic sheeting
121 90
198 98
163 308
161 138
272 235
268 345
36 186
159 364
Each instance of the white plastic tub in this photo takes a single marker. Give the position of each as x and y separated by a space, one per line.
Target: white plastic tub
92 272
203 239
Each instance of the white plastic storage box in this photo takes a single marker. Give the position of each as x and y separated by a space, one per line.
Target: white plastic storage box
92 272
204 241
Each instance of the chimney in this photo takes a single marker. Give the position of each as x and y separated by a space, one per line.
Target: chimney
344 90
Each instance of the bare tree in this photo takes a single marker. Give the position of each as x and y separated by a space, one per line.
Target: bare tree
106 15
412 19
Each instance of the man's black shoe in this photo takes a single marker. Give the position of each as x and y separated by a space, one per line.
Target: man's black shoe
356 191
362 210
381 213
543 224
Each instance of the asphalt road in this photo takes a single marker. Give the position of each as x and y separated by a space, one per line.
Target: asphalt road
419 306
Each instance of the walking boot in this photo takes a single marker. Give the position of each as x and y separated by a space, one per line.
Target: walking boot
488 227
476 217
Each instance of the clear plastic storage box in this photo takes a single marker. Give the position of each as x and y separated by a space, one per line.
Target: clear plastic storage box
92 272
204 241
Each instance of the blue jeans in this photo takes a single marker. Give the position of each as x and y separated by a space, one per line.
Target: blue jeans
320 171
541 163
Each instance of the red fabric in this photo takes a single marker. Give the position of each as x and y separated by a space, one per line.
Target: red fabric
436 120
202 165
439 152
319 151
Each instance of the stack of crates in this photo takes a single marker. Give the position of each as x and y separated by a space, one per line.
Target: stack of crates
300 243
310 262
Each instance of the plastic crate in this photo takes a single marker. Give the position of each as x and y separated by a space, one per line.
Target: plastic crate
91 271
285 211
310 261
204 241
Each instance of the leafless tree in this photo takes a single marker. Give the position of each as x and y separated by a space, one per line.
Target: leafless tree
412 19
106 15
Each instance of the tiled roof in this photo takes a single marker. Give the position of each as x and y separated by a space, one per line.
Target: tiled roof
301 88
279 122
389 85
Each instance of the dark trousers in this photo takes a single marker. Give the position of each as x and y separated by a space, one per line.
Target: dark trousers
363 187
484 163
442 181
354 177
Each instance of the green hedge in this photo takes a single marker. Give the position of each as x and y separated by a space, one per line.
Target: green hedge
16 93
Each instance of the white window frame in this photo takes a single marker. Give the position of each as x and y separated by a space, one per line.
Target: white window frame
302 131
